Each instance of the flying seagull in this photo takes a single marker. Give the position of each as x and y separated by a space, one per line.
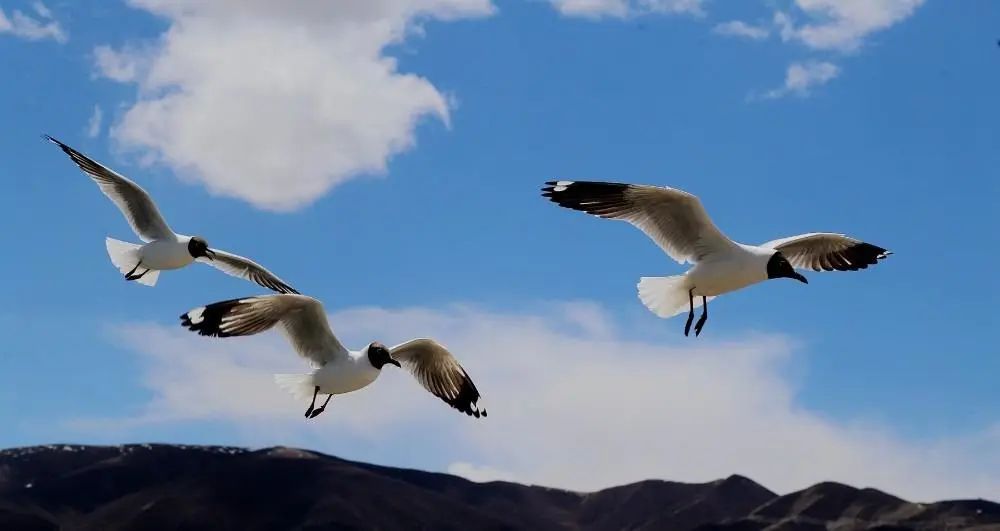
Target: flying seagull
678 223
164 249
338 370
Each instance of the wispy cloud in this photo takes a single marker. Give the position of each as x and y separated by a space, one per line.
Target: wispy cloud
820 25
95 121
309 90
738 28
842 25
597 9
559 394
22 25
801 78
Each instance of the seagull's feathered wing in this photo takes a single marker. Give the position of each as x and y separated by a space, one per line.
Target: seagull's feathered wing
302 319
440 373
138 208
674 219
825 251
245 268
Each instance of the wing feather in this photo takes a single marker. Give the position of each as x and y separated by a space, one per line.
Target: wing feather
674 219
440 373
302 319
139 209
245 268
827 251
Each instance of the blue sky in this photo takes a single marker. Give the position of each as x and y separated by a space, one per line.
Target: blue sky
388 160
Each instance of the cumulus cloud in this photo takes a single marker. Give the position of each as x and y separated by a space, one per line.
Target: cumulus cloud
574 402
276 105
95 121
842 24
22 25
596 9
738 28
800 78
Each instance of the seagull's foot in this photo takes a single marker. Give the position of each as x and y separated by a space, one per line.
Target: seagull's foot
698 326
136 277
316 413
309 413
687 325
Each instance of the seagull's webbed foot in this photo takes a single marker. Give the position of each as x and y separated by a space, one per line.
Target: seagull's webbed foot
687 325
704 317
322 408
136 277
131 274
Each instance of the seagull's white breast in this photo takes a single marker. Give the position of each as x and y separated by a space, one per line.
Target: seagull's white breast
730 271
345 375
165 254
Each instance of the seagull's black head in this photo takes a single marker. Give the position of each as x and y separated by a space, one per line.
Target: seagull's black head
378 355
197 246
778 267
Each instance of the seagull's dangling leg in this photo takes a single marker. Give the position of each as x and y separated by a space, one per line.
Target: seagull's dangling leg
321 408
703 318
313 404
687 326
131 274
128 276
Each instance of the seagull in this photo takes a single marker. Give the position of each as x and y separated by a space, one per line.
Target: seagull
164 249
678 223
339 371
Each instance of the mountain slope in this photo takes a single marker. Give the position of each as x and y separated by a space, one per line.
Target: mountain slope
163 487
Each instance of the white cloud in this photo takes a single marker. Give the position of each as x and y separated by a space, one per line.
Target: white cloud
42 10
122 66
561 391
34 29
737 28
95 121
800 78
843 24
276 105
596 9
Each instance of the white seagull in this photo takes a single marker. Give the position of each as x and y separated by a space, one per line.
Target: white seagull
678 223
164 249
339 371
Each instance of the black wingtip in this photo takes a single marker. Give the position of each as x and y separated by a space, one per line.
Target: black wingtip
854 258
467 400
207 320
593 197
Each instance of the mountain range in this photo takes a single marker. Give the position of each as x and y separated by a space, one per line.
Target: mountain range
177 487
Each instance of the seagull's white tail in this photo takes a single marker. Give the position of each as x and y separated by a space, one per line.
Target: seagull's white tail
125 256
666 296
300 385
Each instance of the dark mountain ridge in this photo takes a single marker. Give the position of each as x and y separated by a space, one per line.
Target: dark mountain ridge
178 487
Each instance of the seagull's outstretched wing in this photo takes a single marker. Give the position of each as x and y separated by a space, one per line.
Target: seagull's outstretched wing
131 199
825 251
440 373
246 268
302 319
673 218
